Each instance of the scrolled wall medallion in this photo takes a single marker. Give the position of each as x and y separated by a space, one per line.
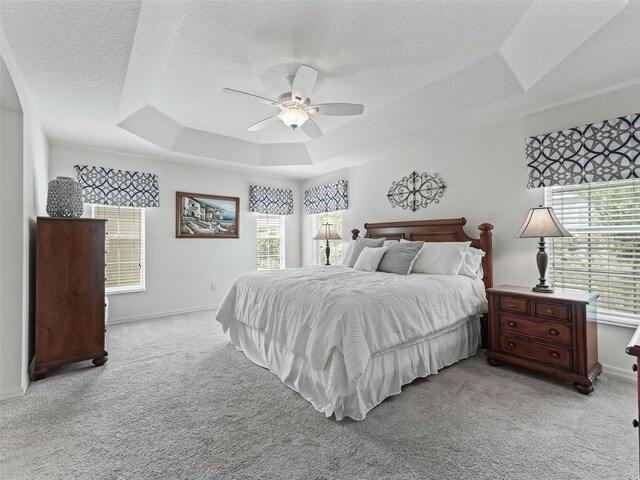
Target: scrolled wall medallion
416 190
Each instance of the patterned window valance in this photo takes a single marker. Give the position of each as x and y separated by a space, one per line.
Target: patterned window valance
272 201
106 186
327 198
597 152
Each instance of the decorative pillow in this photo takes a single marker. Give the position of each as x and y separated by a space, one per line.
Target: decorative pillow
369 258
399 257
389 242
441 258
360 244
472 265
347 254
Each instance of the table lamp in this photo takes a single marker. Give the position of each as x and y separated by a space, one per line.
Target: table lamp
327 232
542 222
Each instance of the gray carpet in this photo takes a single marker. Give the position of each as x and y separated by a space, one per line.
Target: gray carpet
175 400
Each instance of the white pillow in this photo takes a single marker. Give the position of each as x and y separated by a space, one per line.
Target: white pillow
472 265
389 242
441 258
347 255
369 259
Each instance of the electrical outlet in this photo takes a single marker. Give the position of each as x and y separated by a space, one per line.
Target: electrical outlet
213 287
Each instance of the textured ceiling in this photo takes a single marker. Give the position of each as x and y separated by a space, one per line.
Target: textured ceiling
147 76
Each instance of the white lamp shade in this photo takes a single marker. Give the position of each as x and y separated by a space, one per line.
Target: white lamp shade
327 232
293 116
542 222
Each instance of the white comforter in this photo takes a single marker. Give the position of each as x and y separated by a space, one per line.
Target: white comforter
339 318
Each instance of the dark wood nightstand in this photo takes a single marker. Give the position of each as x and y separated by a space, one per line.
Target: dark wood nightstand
554 333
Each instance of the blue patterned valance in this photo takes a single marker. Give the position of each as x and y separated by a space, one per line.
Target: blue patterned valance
597 152
272 201
106 186
327 198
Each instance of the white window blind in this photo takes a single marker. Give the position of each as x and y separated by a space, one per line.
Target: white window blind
604 254
270 242
125 247
319 255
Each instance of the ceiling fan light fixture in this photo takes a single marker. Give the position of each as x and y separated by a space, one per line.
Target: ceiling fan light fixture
293 117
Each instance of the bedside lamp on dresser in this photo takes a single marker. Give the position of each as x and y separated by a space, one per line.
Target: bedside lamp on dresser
540 329
542 222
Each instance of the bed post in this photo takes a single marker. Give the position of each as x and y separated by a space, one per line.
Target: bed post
487 260
354 234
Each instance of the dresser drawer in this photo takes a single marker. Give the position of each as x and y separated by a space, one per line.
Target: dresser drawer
555 332
511 304
553 355
554 310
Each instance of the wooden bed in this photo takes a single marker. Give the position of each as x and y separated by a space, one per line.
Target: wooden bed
444 230
379 331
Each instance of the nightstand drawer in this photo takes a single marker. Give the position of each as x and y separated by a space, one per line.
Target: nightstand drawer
511 304
555 332
554 355
555 310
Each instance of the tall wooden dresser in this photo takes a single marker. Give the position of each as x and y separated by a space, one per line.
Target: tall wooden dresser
70 288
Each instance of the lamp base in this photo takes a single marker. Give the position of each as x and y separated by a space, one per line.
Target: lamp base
543 289
327 252
542 260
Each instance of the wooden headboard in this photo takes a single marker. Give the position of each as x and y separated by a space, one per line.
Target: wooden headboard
445 230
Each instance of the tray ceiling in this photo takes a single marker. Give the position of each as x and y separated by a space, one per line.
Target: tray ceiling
147 76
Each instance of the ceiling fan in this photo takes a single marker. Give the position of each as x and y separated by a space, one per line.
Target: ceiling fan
295 106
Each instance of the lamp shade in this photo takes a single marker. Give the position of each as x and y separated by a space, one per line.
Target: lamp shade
542 222
293 116
327 232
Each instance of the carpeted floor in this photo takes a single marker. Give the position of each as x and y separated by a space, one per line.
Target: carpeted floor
175 400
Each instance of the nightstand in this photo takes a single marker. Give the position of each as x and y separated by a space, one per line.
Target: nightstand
554 333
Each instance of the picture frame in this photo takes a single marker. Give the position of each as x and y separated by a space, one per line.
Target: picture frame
207 216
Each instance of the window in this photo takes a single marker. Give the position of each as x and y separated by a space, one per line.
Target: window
270 234
125 247
604 254
319 255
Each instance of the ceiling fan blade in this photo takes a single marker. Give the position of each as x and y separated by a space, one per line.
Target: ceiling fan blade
303 83
338 109
262 123
250 96
311 128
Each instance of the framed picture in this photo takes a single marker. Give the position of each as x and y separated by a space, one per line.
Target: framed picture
207 216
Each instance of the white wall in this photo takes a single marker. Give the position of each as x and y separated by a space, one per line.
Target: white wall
23 196
11 247
486 177
179 271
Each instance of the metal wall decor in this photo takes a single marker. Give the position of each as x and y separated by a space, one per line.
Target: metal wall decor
416 190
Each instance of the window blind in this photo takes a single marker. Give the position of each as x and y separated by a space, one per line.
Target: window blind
125 247
270 242
319 256
604 254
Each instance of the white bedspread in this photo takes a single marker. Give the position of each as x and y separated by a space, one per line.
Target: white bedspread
339 318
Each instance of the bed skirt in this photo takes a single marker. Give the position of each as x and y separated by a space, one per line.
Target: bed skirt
384 376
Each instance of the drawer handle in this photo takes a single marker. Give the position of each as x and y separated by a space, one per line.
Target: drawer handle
634 423
511 344
512 324
553 332
555 354
512 305
549 311
634 367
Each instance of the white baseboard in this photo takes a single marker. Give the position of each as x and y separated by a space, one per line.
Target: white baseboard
169 313
12 393
620 372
